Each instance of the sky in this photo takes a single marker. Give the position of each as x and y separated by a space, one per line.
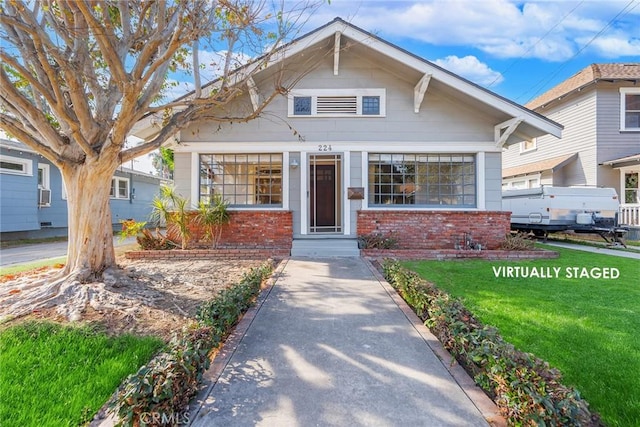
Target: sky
517 49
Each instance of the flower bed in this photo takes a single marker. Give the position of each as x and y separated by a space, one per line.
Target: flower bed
525 388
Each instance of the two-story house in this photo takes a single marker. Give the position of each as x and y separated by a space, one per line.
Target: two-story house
599 108
372 139
33 202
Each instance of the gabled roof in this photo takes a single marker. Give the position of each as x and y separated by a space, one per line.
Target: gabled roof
587 76
516 120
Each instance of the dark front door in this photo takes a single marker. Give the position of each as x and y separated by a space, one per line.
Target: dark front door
325 196
324 201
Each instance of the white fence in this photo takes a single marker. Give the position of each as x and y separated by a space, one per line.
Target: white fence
629 214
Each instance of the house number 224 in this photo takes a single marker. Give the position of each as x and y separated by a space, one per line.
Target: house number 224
324 147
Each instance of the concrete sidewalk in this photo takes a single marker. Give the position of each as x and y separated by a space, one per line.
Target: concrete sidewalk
331 346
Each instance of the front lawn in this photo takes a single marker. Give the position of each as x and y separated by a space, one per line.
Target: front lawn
587 327
53 375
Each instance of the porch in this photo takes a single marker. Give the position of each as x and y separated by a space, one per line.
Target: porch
629 214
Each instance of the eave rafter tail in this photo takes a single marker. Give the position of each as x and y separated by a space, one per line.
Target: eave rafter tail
336 53
505 129
253 94
419 91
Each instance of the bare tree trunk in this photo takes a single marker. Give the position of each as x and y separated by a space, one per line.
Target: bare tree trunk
90 248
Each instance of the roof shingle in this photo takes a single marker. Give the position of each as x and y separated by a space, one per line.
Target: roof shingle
592 73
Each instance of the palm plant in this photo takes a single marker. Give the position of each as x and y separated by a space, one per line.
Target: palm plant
213 216
170 208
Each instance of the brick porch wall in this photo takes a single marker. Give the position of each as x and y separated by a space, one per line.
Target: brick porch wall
248 230
436 229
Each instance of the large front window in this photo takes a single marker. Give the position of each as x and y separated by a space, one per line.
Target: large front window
427 180
242 179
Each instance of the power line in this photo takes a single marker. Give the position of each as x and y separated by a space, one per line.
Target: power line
542 83
535 44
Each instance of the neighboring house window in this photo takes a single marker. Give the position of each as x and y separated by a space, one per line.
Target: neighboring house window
631 188
427 180
44 189
528 145
242 179
119 188
337 102
15 165
43 176
520 183
630 108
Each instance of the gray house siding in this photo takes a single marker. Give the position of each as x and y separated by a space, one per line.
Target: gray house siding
441 120
578 115
295 200
21 217
493 181
612 143
591 119
182 181
18 200
138 207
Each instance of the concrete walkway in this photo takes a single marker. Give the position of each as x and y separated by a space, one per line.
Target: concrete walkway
598 250
331 346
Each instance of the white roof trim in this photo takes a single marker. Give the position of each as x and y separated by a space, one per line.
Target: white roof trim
339 26
424 67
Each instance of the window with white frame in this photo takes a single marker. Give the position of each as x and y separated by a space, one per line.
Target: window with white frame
631 188
119 188
337 102
630 108
529 145
242 179
427 180
15 165
44 176
522 182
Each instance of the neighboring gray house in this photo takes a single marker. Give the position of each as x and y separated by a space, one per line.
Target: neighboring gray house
372 139
599 108
33 201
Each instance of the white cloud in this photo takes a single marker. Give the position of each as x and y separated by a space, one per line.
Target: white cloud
470 68
548 30
615 46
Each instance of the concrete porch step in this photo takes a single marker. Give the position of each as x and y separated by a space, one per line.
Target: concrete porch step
325 247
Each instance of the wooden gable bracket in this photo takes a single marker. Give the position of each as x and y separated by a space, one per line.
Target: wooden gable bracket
253 93
505 129
336 53
419 91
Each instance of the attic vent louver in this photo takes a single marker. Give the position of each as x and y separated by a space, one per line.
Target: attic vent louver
337 105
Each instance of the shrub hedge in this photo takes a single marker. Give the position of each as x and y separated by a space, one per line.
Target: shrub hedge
526 390
168 382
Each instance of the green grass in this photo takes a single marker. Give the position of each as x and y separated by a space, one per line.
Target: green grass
53 375
588 328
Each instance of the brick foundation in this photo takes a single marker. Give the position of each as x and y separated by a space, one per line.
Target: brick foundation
442 254
436 229
195 254
247 230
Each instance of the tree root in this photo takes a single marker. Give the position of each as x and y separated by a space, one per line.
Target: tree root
68 294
